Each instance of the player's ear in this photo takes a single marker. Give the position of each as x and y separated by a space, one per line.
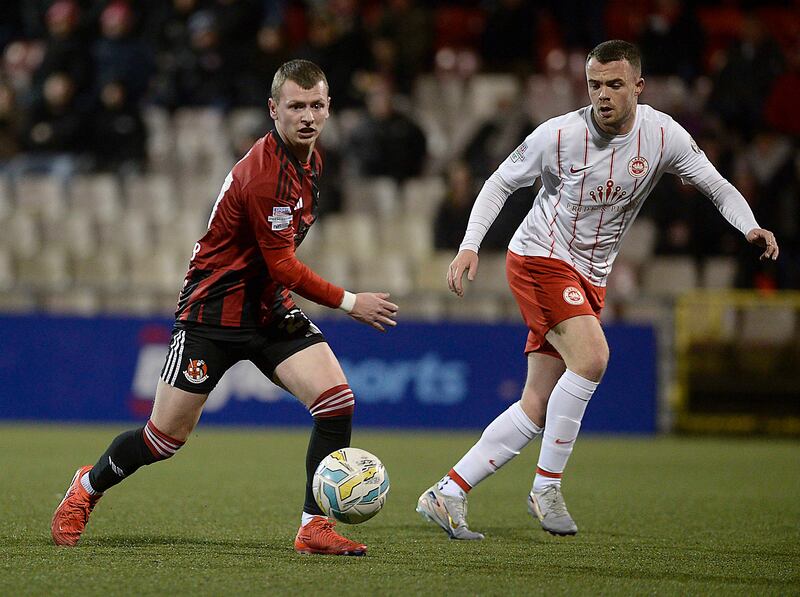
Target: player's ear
273 109
638 87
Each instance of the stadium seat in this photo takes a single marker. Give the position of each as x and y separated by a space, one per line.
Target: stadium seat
152 194
375 196
133 302
623 283
431 274
423 306
96 194
352 234
719 272
482 309
157 271
491 279
408 235
18 302
106 270
7 274
422 196
78 301
131 232
669 277
160 139
41 195
6 199
550 96
488 92
198 132
768 325
668 94
199 192
638 243
46 271
23 235
75 234
334 267
387 272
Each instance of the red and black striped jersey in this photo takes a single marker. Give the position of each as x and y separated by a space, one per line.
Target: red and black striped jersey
242 270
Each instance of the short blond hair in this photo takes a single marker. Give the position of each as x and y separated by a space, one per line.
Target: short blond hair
303 72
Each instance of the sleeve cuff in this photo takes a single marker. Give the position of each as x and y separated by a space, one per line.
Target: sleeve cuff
348 302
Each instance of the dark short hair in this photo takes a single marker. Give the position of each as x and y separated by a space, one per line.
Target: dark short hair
617 49
303 72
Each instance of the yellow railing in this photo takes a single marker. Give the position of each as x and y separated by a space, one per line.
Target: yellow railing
737 366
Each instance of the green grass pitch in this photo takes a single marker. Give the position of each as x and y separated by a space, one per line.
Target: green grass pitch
665 516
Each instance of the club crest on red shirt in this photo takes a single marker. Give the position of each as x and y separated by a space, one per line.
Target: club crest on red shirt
196 371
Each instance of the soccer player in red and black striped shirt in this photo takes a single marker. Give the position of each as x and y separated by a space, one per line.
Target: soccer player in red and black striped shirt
236 304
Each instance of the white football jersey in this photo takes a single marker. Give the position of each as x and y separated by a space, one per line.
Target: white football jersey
593 186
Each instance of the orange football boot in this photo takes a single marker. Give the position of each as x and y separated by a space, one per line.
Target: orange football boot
318 536
72 514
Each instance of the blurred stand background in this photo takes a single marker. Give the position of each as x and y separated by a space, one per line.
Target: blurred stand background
119 121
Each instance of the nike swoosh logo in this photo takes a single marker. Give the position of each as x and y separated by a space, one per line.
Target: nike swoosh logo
561 441
574 170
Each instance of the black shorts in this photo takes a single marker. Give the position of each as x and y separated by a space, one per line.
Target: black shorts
198 358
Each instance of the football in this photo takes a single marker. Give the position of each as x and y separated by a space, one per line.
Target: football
351 485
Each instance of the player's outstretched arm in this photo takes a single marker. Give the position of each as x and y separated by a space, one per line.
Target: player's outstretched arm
373 309
465 261
766 240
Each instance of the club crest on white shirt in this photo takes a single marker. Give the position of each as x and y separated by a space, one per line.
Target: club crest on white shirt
638 167
573 296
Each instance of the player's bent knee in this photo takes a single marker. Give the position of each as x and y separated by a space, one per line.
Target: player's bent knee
337 401
160 446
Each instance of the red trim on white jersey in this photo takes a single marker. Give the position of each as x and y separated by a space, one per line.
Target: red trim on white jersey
580 197
555 213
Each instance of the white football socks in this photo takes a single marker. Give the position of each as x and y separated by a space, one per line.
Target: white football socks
87 485
564 413
500 442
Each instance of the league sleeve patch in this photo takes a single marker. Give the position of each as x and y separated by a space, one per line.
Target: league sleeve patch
281 217
694 146
519 153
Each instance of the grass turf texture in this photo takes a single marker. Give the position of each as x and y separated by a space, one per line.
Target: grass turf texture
671 516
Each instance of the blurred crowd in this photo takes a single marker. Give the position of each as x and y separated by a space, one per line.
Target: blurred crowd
78 76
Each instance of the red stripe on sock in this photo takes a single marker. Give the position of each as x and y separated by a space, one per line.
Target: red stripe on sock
459 480
337 395
171 445
163 436
548 474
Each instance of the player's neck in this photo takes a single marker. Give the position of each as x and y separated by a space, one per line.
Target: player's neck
624 127
302 153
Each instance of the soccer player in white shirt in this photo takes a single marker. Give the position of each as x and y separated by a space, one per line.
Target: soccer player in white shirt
597 166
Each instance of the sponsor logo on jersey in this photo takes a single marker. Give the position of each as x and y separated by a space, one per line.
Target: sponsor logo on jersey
638 167
519 153
281 217
196 371
574 170
609 194
573 296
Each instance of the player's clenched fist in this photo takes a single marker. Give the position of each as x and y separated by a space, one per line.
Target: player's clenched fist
373 309
465 261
